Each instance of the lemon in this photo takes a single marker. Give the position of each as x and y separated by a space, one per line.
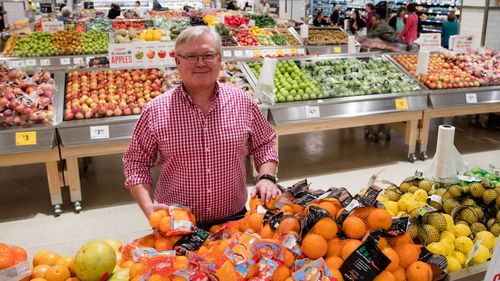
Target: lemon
449 221
464 244
382 198
461 230
453 264
489 239
407 195
448 245
436 248
412 205
391 207
403 204
447 234
420 195
481 256
460 257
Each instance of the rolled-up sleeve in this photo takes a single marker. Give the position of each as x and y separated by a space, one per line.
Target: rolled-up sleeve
262 139
141 153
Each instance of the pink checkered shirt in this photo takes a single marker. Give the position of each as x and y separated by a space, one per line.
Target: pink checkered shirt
202 158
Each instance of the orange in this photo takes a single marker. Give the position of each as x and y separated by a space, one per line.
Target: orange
330 207
297 209
287 209
349 247
156 277
271 205
354 227
181 263
393 256
147 241
363 213
266 232
334 262
65 261
334 247
400 240
37 257
178 278
287 225
314 246
18 252
281 273
175 238
244 224
255 221
400 274
336 273
163 244
38 279
6 260
71 267
155 218
39 271
73 279
57 273
382 243
379 218
339 212
49 258
4 248
165 224
289 258
419 271
137 270
125 264
385 276
326 227
215 228
291 279
408 254
254 202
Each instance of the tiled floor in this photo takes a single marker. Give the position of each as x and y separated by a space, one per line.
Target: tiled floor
331 158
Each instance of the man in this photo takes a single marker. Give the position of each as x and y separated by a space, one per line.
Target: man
158 7
382 30
202 131
263 8
232 5
66 16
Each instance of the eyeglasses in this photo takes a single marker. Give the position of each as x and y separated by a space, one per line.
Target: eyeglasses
208 57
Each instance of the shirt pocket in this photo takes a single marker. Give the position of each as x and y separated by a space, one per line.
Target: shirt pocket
233 136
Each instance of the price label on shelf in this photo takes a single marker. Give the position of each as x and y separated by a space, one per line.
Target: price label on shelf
227 54
15 64
337 50
77 60
249 53
44 62
257 53
238 53
286 51
301 51
471 98
25 138
312 111
99 132
30 62
280 52
65 61
401 104
272 52
293 51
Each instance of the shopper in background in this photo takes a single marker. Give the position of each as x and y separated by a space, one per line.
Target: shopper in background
263 8
130 15
32 6
449 29
247 7
335 16
62 5
320 20
410 30
66 15
202 131
380 29
398 21
114 11
138 10
370 12
157 6
232 5
356 23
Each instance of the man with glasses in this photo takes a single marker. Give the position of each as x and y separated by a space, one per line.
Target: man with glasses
202 131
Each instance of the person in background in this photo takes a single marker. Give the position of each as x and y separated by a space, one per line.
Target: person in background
370 12
138 10
356 23
263 8
114 11
398 21
335 16
231 5
201 133
410 30
32 6
448 29
157 6
130 14
380 29
66 15
320 20
247 7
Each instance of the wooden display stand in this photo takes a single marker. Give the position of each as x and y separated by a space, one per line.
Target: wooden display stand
431 113
54 177
410 117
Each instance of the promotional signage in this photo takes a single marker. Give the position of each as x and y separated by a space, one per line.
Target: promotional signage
429 41
460 43
88 5
141 55
46 8
52 26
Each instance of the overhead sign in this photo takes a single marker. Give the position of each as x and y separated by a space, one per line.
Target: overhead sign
88 5
46 8
52 26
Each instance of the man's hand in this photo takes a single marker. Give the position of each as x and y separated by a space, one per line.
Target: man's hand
154 207
267 190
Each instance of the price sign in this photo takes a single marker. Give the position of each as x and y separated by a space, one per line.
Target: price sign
77 60
312 111
25 138
471 98
401 104
272 52
46 8
238 53
227 54
257 53
31 62
249 53
15 64
99 132
286 51
52 26
88 5
293 51
337 50
301 51
429 41
460 43
44 62
280 52
65 61
423 62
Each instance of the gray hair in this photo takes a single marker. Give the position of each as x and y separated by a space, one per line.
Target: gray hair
66 11
191 34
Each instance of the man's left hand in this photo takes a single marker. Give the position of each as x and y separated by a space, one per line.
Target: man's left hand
267 190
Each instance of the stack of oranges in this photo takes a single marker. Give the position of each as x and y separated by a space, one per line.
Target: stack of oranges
51 266
11 255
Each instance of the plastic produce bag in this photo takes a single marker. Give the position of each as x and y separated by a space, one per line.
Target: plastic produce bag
266 91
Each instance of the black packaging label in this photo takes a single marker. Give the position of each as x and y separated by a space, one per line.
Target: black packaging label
191 242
